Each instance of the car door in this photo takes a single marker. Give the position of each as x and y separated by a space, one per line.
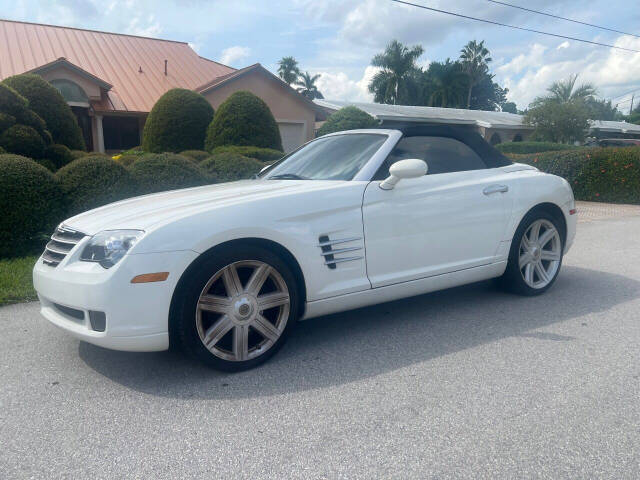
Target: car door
451 219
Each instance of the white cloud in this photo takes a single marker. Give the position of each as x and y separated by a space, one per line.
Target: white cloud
612 71
338 86
232 54
145 27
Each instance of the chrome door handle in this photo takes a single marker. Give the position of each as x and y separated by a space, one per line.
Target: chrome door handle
495 189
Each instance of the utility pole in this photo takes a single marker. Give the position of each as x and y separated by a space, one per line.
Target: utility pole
631 109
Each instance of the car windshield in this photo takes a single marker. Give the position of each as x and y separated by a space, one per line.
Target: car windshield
337 157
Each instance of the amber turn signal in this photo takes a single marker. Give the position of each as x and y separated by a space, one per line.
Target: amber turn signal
150 277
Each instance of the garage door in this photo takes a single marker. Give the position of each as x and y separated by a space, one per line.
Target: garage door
292 135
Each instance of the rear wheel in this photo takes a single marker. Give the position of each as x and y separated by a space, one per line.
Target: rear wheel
535 257
238 308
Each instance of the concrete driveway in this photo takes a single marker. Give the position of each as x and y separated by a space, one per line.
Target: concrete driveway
466 383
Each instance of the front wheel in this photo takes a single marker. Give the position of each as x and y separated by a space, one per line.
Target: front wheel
535 257
238 308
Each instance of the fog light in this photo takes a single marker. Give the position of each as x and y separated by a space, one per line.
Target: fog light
98 321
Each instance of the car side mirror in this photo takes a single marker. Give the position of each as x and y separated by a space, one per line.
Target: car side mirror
410 168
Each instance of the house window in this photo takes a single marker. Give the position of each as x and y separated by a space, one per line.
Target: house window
120 133
72 92
495 139
517 138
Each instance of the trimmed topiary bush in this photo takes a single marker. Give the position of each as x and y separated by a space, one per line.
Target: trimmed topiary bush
262 154
33 120
93 181
178 121
229 167
32 204
243 119
166 171
11 102
6 121
195 155
347 118
59 155
533 147
78 154
45 100
22 140
46 163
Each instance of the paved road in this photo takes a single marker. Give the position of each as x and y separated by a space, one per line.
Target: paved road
467 383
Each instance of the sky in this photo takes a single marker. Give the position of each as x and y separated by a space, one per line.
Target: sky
337 38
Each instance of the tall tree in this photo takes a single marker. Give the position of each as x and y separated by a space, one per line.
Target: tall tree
288 69
307 85
395 82
475 63
566 91
444 84
510 107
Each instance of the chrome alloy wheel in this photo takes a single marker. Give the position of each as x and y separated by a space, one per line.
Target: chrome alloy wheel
242 310
540 254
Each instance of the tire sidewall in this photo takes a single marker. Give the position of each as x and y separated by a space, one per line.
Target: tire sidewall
512 279
197 278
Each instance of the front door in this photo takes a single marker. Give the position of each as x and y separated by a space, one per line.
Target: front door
451 219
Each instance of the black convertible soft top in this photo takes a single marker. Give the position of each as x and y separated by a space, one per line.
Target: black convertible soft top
489 155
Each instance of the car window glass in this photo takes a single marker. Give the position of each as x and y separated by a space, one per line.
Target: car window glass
336 157
442 154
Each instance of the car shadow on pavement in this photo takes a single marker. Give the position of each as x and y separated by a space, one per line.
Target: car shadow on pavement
358 344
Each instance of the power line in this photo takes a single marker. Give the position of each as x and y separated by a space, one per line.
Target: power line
515 26
562 18
625 94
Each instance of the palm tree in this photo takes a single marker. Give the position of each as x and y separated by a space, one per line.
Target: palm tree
398 67
565 91
445 83
475 62
307 85
288 69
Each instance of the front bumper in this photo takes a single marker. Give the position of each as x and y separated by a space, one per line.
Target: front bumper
136 314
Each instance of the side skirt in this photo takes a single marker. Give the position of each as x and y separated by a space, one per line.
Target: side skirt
412 288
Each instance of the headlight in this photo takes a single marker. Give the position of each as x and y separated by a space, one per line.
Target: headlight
107 248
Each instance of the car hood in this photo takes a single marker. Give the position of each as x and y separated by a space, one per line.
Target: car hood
142 213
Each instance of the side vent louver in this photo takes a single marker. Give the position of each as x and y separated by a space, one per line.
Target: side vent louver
333 256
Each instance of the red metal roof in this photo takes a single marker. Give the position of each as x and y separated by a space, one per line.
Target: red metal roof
112 57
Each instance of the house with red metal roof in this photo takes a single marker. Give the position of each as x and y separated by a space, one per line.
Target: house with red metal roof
111 80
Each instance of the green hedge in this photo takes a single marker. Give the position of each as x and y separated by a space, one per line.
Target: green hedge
229 167
243 119
6 121
33 204
267 155
533 147
347 118
59 155
178 121
195 155
23 140
45 100
93 181
607 174
166 171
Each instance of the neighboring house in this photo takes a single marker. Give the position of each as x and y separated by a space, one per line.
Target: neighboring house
495 127
610 129
111 81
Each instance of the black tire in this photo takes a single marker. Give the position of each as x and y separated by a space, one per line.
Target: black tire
184 329
512 280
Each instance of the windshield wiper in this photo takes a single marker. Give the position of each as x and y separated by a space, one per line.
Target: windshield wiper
287 176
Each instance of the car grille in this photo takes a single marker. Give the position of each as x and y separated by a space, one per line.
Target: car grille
62 241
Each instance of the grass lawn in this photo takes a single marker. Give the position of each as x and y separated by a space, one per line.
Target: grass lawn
16 284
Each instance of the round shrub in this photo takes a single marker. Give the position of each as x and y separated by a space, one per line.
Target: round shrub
33 120
78 154
195 155
11 102
93 181
166 171
347 118
243 119
178 121
45 100
228 167
22 140
6 121
32 204
46 163
59 155
262 154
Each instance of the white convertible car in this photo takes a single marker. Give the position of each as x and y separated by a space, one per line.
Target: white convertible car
347 220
